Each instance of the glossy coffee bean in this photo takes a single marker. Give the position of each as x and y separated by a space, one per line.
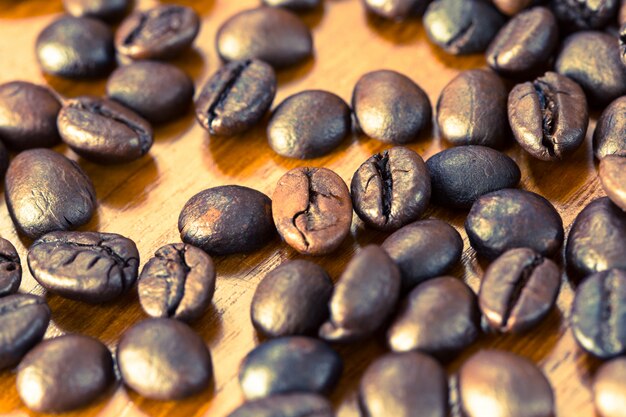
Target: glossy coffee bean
236 97
312 210
609 138
291 300
85 266
288 405
65 373
103 131
584 14
509 385
24 319
10 268
174 357
391 189
396 9
439 317
472 110
549 116
513 7
28 116
462 174
509 218
613 178
609 389
159 33
178 282
364 297
295 5
227 219
76 47
309 124
390 107
157 91
107 10
289 365
45 192
404 385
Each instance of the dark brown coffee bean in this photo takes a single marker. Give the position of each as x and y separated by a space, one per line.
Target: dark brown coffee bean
513 7
364 297
609 389
613 178
227 219
292 300
309 124
609 138
584 14
45 192
178 282
396 9
288 405
236 97
65 373
390 107
107 10
295 5
391 189
312 210
10 268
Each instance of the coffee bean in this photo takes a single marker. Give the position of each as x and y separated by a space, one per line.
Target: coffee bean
28 116
103 131
513 7
65 373
292 300
597 240
312 210
76 47
24 319
176 359
439 317
45 192
391 189
508 219
226 220
287 365
107 10
236 97
178 282
364 297
424 250
584 14
161 32
549 116
10 268
613 178
609 388
295 5
309 124
472 109
289 405
505 384
622 43
609 138
396 9
270 34
157 91
404 385
598 316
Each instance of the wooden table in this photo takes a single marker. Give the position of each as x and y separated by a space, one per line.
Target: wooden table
142 200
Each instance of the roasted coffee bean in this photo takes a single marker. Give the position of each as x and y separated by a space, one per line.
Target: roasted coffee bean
312 210
460 175
178 282
107 10
28 116
364 297
289 405
592 59
309 124
513 7
236 97
462 26
508 219
424 250
396 9
404 385
176 359
157 91
472 109
65 373
288 365
159 33
45 192
505 384
24 319
227 219
292 300
391 189
609 389
584 14
103 131
270 34
613 178
439 317
598 316
609 138
76 47
10 268
597 240
549 116
295 5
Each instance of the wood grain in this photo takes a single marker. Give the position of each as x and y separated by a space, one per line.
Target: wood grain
142 200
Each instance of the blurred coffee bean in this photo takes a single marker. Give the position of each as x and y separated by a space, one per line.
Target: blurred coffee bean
10 268
107 10
609 389
609 138
613 178
584 14
288 405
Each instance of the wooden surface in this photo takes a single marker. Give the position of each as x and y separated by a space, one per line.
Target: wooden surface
142 200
